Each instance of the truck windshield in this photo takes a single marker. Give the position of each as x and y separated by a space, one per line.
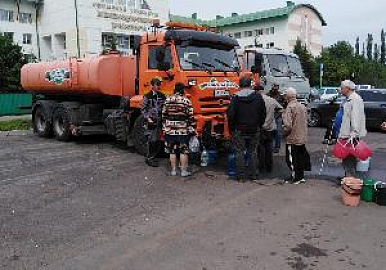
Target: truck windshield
284 65
206 57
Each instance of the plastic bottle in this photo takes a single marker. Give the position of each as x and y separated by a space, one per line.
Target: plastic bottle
204 158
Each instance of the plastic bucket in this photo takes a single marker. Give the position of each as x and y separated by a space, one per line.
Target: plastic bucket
368 191
380 193
351 191
363 165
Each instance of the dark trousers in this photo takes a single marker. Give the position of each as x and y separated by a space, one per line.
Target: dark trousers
152 135
298 161
246 146
265 151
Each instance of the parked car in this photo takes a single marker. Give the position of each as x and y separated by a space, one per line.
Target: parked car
321 112
327 93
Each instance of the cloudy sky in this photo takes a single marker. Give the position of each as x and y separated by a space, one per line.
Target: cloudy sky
346 19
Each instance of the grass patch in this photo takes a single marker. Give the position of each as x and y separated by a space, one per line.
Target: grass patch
15 125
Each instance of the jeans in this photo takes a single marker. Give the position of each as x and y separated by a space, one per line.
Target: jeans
246 145
278 133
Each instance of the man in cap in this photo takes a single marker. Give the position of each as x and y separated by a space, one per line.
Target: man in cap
295 132
152 105
353 125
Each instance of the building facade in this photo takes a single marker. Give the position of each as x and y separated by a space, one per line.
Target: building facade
79 28
18 22
275 28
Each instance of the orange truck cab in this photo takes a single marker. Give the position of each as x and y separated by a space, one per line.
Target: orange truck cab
104 94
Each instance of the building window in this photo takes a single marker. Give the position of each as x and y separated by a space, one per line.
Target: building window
248 34
238 35
6 15
266 31
259 32
270 45
272 30
25 17
9 35
123 42
27 39
108 1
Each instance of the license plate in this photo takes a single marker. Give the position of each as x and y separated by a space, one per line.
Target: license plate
221 93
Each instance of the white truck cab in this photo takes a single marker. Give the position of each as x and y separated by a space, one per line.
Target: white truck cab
277 67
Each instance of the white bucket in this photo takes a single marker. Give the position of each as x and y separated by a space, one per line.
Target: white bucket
363 166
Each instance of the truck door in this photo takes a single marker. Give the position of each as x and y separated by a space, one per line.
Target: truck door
160 63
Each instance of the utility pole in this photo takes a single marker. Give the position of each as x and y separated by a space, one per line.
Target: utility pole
77 28
321 67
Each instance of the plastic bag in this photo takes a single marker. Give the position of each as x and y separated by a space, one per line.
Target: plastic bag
341 149
194 145
360 150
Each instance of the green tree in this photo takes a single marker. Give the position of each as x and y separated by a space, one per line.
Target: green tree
370 46
357 46
11 61
376 52
383 48
306 59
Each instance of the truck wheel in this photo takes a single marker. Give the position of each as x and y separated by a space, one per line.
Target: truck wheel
41 124
140 140
314 119
61 125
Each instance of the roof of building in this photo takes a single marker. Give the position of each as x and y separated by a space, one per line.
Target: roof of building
250 17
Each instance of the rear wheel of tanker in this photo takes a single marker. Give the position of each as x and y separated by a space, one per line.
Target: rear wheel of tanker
61 125
140 140
41 124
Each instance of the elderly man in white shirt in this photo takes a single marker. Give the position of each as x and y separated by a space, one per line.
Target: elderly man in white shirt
353 125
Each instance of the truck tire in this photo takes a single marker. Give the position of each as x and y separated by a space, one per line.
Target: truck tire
41 123
139 137
140 141
61 125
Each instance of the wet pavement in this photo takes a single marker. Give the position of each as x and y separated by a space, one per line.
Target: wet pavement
92 205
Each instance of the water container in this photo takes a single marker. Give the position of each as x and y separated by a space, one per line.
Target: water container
368 191
231 165
204 158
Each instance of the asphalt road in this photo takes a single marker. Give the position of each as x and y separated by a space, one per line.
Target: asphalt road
91 205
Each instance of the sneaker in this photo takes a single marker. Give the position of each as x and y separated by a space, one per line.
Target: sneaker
171 173
152 162
297 182
185 173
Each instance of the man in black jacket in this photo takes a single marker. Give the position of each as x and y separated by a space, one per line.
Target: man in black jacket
152 105
246 115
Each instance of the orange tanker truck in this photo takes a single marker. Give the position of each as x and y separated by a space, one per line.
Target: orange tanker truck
103 95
